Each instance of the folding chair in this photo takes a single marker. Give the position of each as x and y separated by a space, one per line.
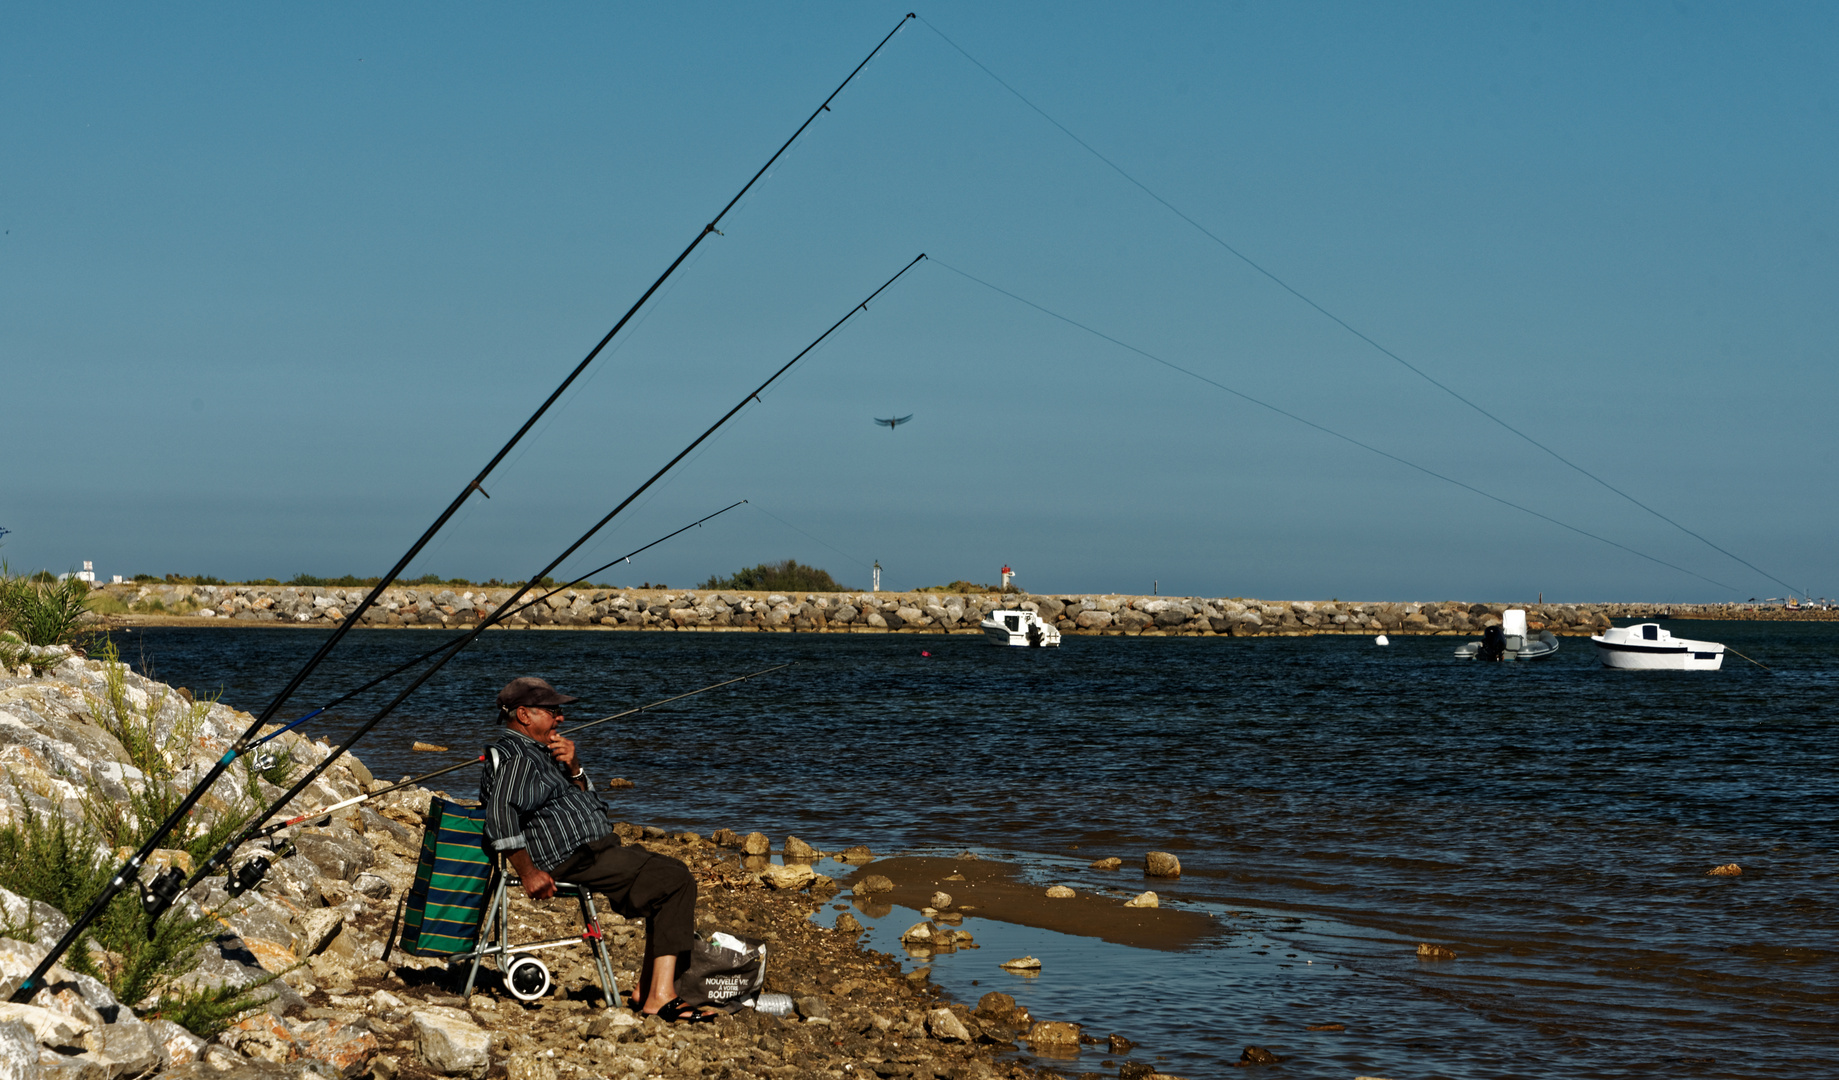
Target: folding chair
461 901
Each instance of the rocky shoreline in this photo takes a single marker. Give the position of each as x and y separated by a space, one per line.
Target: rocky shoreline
346 1006
932 613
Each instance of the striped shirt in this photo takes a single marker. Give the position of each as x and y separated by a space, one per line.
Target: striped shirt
530 802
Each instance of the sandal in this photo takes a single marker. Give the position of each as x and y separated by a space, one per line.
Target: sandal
677 1011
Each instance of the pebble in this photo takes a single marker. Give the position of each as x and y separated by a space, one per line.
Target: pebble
1143 900
1428 951
1729 869
1060 892
1022 963
1161 864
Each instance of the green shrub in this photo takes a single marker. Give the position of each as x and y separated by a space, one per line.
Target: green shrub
42 610
59 863
787 576
68 864
106 603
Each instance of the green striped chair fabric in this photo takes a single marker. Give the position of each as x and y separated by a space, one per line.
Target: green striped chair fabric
447 901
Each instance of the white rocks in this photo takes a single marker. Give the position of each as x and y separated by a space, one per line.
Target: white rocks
18 1052
373 886
918 932
941 900
319 927
788 877
1143 900
449 1043
125 1049
1161 864
944 1025
53 1029
180 1046
1021 963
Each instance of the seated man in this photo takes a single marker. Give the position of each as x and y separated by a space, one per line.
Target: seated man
540 815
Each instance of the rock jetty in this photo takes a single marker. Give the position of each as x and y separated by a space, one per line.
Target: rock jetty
346 1006
932 613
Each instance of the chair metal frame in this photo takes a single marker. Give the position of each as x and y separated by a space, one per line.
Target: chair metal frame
497 921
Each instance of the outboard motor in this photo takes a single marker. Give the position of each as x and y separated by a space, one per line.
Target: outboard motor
1493 644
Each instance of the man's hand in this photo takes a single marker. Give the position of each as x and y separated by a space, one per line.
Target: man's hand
538 885
563 750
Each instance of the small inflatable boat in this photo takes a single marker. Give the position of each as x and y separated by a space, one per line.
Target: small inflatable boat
1509 641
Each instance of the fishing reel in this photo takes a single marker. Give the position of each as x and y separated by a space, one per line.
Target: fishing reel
247 876
250 874
160 893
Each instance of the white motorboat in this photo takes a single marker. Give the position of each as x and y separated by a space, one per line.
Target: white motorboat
1018 627
1509 641
1649 647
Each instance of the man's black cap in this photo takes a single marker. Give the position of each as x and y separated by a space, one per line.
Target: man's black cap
530 692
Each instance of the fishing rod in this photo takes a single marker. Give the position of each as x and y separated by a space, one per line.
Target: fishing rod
165 889
251 873
130 870
459 639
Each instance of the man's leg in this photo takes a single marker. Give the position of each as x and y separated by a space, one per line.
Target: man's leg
664 891
659 889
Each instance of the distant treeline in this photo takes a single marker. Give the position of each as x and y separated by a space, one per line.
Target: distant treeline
788 575
346 581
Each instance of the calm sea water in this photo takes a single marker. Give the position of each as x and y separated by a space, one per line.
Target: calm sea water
1336 803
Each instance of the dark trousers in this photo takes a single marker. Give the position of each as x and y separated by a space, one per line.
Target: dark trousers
639 884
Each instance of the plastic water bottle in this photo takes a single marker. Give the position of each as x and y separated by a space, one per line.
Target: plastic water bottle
773 1003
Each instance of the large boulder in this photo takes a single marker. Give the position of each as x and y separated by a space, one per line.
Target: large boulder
944 1025
338 857
449 1043
126 1049
1161 864
18 1052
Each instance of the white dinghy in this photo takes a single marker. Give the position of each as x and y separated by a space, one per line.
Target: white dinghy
1024 628
1509 641
1648 647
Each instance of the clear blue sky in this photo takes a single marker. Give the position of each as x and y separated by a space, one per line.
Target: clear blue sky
275 282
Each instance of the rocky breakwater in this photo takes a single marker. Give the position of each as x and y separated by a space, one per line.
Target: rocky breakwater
328 997
634 609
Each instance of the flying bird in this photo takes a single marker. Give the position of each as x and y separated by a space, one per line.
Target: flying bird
895 422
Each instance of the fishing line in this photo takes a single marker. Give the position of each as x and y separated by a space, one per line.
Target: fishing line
165 890
1325 430
808 536
243 879
170 884
456 642
1331 316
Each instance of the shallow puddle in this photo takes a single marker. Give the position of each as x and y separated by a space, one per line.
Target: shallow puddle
1194 1011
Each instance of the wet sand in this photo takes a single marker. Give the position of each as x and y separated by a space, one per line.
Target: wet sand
997 890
